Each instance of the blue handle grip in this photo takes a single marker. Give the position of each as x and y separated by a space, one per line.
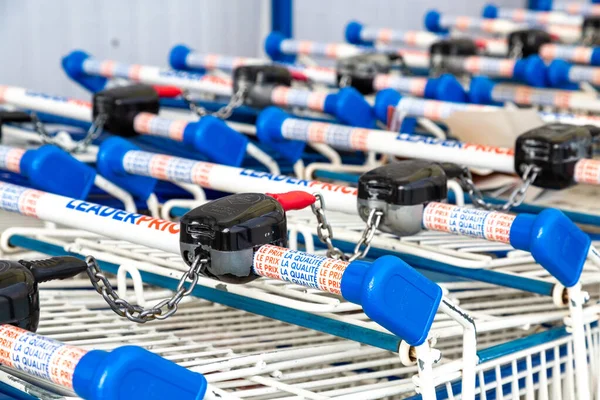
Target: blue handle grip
480 91
110 166
531 70
212 137
130 372
383 100
540 5
445 88
490 11
595 60
351 108
273 48
352 34
555 242
558 75
432 22
72 64
268 131
394 295
56 171
177 58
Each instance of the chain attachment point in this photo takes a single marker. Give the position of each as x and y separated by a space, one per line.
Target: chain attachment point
373 222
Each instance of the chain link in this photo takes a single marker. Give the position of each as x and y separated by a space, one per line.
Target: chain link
373 222
325 232
92 134
404 69
345 81
236 101
324 229
437 66
517 50
135 313
515 199
588 37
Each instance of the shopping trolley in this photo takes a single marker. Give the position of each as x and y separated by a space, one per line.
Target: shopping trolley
83 206
181 57
347 104
442 23
569 7
518 43
91 374
142 259
268 369
282 49
444 88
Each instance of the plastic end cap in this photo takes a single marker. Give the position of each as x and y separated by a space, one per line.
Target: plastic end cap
448 88
490 11
595 59
212 137
394 295
72 64
409 125
432 22
268 131
532 71
352 109
480 90
554 241
110 165
353 30
273 48
56 171
177 57
540 5
103 375
383 100
558 73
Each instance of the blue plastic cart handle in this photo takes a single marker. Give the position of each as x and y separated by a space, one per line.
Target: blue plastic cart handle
130 372
51 169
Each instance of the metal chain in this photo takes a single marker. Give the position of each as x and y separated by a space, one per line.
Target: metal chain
325 232
367 237
135 313
93 132
404 69
517 50
588 37
236 101
437 65
324 229
345 81
516 197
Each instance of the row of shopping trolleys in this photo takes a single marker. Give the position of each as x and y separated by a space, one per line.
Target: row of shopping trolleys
499 322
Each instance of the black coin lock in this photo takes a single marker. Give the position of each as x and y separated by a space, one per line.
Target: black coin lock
449 48
260 81
228 230
19 294
401 190
527 42
360 71
121 104
555 149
